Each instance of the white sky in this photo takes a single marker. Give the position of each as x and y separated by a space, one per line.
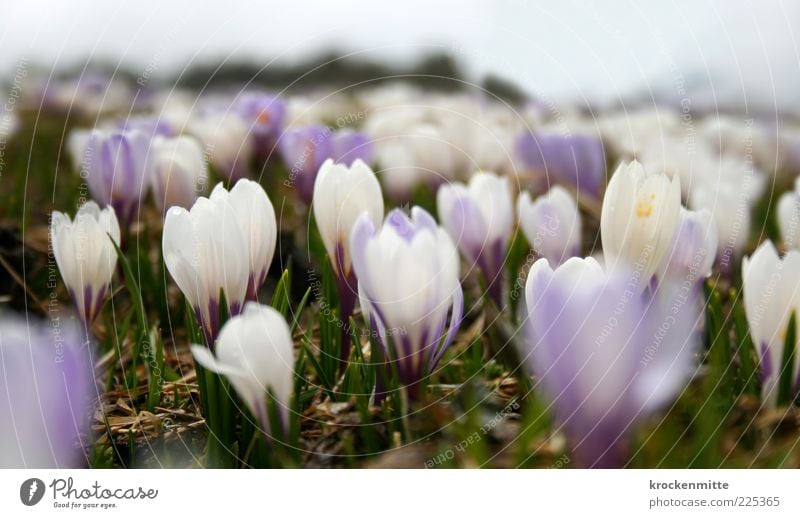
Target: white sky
736 50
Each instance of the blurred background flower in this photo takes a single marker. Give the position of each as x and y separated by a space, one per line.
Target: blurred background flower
594 348
46 392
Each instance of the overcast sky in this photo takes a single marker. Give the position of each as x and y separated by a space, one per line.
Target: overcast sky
731 51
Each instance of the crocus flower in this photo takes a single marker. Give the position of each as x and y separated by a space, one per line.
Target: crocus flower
411 154
751 140
349 145
226 142
179 171
730 207
90 94
206 253
257 222
594 345
303 150
551 224
694 249
639 219
771 288
408 283
265 115
480 218
45 393
341 195
254 351
76 148
149 125
118 169
577 159
789 217
85 255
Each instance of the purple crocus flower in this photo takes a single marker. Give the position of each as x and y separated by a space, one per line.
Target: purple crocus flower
89 94
349 145
46 390
694 249
303 150
604 356
409 289
118 169
149 125
576 159
265 115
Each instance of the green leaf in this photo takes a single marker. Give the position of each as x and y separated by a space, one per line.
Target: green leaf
280 297
535 421
330 333
298 312
327 384
717 388
747 379
193 332
519 254
155 368
133 287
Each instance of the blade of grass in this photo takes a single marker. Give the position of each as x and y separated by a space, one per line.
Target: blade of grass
787 377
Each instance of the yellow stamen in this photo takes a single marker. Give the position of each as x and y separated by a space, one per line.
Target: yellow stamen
644 207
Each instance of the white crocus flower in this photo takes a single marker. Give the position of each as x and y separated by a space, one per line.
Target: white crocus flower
254 351
480 218
179 171
205 252
259 227
639 219
551 224
341 195
417 153
771 287
226 142
85 255
789 217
